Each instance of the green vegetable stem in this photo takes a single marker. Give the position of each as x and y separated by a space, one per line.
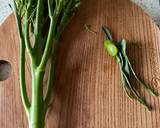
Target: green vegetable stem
40 24
118 51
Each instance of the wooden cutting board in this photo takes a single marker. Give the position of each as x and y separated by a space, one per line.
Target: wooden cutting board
88 91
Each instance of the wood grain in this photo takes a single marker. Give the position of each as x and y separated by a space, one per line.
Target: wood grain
88 91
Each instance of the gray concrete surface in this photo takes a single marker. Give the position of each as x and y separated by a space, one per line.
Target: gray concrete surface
151 7
4 10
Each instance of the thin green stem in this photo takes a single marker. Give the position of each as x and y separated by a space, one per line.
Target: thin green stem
50 83
136 94
23 90
124 83
53 20
107 32
38 24
27 40
51 76
50 8
24 96
64 22
149 90
48 46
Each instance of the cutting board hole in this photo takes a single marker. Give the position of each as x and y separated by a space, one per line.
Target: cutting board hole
5 70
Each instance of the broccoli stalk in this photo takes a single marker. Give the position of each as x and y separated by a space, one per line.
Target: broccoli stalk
33 18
